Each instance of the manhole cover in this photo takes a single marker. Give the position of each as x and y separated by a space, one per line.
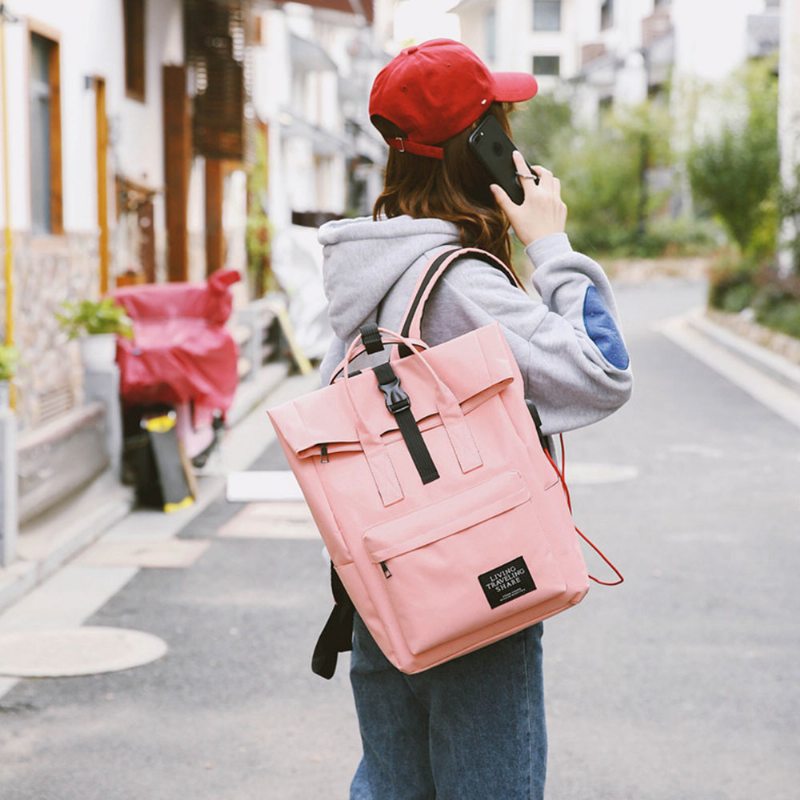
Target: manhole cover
76 651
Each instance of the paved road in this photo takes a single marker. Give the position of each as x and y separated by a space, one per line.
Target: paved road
680 685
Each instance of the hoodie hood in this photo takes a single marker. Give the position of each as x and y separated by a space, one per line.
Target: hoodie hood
363 258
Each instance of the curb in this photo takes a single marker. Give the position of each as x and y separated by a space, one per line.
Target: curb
63 536
766 361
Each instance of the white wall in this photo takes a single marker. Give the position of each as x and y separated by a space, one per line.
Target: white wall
710 36
91 43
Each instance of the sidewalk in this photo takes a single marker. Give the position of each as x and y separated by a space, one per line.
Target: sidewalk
764 374
61 534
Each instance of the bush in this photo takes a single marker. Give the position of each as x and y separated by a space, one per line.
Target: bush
775 301
732 286
777 305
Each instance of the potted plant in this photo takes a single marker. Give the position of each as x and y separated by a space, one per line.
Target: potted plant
96 323
9 356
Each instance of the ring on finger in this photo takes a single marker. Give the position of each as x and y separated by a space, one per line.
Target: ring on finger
534 178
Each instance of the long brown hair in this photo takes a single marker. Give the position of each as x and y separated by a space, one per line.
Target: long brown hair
455 189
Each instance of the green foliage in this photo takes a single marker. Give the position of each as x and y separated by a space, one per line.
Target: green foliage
735 172
91 317
610 203
9 358
777 305
683 236
733 282
781 314
789 208
541 127
258 236
739 284
603 172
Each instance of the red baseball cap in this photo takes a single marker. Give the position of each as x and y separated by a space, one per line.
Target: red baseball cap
435 90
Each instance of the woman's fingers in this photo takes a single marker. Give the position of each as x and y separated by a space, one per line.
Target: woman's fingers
541 213
502 198
520 163
545 177
527 183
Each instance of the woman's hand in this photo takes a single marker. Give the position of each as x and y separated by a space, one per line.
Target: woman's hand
542 212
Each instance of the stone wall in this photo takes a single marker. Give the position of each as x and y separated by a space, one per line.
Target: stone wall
48 270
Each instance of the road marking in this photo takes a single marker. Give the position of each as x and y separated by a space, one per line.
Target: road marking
587 473
768 392
169 553
262 485
693 449
271 521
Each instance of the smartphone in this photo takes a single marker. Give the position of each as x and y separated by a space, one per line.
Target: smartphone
494 150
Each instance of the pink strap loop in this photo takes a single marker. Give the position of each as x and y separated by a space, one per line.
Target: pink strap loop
417 343
447 406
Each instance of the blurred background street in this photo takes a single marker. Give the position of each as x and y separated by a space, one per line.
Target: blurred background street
164 169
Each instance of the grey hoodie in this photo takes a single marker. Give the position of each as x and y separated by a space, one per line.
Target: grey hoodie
568 344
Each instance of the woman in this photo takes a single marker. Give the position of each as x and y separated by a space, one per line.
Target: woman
472 728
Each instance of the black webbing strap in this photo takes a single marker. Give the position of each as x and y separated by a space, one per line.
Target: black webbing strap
399 403
371 337
537 421
337 635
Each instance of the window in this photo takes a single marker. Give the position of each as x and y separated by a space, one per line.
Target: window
134 22
546 65
547 15
45 109
606 14
490 27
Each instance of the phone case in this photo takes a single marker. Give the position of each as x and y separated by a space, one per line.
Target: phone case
494 149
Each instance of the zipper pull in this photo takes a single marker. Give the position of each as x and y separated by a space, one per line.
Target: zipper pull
323 454
386 572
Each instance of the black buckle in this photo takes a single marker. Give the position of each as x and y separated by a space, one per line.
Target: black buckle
396 398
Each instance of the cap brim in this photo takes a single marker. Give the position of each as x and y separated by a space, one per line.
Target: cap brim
514 87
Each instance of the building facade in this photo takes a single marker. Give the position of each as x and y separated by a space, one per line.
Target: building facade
132 129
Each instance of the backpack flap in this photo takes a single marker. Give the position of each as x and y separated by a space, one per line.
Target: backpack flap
320 423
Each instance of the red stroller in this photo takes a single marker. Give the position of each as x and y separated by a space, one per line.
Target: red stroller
181 356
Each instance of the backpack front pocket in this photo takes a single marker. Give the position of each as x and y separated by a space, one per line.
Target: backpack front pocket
464 562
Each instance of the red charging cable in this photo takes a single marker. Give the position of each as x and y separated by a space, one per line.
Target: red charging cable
561 476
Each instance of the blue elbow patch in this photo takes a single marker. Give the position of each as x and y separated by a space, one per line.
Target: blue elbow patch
603 330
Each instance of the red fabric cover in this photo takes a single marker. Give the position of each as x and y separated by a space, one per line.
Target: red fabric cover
181 350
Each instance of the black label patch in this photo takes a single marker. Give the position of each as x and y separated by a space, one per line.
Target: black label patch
507 582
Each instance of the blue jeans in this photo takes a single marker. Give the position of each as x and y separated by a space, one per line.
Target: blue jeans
470 729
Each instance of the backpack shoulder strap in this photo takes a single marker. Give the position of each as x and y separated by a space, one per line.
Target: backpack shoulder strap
412 318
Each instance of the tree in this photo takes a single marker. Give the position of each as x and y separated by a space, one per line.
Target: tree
735 171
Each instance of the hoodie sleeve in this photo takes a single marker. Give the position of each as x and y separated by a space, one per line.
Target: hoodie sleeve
568 345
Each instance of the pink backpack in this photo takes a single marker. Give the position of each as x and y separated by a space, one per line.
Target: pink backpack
446 521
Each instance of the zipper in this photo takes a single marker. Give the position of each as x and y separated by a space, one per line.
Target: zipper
323 454
386 572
